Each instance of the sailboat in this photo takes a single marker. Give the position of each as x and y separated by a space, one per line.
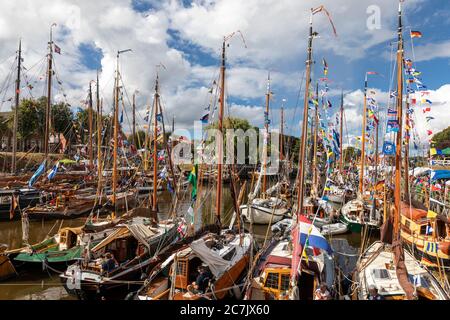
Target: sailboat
225 253
396 274
133 243
264 210
286 267
360 212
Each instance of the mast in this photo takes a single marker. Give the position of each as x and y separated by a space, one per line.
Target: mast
266 126
341 122
314 188
116 134
91 129
398 147
155 147
301 161
49 93
282 130
406 163
16 111
116 131
220 128
99 137
374 205
363 140
134 119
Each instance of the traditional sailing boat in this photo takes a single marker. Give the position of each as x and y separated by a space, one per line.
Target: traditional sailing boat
395 273
224 253
264 210
280 272
134 243
360 212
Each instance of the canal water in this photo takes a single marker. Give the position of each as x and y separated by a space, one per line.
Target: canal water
39 284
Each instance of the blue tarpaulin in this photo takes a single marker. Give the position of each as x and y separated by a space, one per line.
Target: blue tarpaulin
440 174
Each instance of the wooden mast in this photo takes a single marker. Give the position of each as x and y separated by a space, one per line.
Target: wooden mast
219 143
99 139
155 147
301 160
406 164
91 129
116 132
49 94
134 119
282 130
314 188
341 122
363 140
116 135
398 147
266 139
16 111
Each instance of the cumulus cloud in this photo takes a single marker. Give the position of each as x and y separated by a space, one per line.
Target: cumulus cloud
274 31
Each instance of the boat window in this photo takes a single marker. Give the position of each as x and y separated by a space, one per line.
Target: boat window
285 282
381 274
419 281
230 255
182 267
423 229
272 280
408 224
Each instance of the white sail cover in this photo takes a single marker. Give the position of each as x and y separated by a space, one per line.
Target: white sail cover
216 264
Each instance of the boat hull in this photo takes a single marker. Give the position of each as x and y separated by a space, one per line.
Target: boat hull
263 215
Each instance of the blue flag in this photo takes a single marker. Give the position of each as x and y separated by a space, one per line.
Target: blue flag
205 118
392 126
53 172
37 174
388 148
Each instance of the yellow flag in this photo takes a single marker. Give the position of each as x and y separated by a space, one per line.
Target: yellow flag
305 256
431 214
433 151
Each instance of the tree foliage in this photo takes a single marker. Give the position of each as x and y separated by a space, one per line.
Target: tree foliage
441 140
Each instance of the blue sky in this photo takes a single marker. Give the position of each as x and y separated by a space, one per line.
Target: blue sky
186 37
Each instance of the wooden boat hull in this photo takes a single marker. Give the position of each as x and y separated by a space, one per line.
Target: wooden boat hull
427 247
36 214
94 286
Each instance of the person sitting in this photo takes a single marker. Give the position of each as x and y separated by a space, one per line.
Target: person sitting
110 263
202 281
373 293
322 293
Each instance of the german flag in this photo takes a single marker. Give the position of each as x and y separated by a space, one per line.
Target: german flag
416 34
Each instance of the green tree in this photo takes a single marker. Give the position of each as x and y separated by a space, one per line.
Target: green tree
62 118
139 138
441 140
